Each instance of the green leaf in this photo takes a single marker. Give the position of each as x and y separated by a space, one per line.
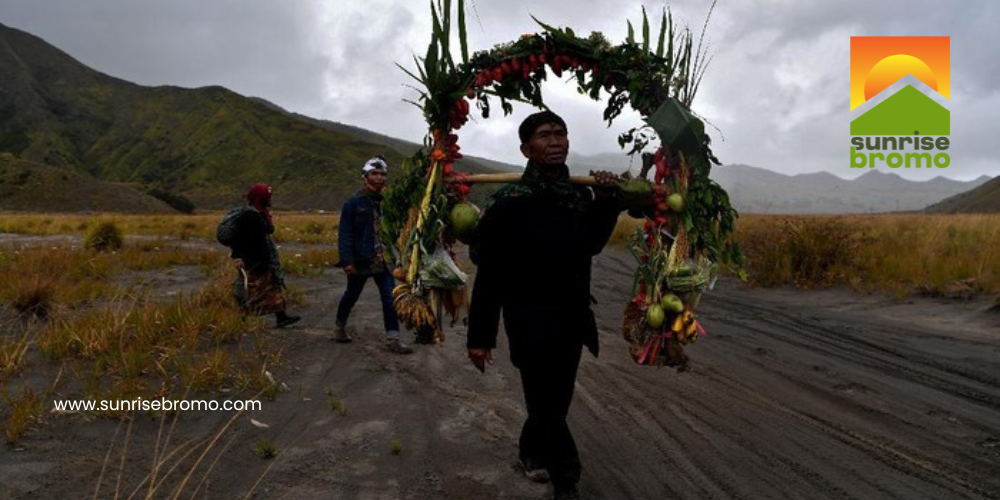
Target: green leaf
446 33
462 35
663 33
408 72
431 65
645 31
631 33
546 27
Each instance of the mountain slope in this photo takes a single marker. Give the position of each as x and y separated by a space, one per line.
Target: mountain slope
207 144
756 190
32 187
983 199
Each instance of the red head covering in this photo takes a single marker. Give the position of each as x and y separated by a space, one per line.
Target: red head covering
259 196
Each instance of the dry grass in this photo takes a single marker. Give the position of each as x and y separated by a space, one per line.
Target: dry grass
26 408
41 278
936 254
12 350
118 342
289 226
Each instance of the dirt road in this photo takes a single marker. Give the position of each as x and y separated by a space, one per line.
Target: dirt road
810 395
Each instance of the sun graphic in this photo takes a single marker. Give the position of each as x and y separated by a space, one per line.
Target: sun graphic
879 61
892 68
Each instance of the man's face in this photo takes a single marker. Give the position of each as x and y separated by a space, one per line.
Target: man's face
548 145
375 180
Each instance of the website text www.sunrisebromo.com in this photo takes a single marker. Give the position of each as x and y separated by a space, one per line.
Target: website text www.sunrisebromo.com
161 404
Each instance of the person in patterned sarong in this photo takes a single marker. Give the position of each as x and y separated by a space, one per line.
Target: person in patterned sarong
260 283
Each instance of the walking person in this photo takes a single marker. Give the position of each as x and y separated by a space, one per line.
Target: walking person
533 249
363 252
247 232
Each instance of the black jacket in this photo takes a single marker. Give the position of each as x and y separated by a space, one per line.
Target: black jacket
534 259
252 242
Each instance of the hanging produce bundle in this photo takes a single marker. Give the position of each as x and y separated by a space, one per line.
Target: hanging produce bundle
688 228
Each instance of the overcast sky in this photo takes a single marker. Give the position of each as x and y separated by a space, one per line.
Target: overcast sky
777 89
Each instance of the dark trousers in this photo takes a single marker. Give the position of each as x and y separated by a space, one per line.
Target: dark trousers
548 391
356 283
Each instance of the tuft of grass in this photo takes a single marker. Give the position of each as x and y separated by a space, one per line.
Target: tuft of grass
12 352
313 227
105 237
396 446
336 403
25 411
32 296
265 449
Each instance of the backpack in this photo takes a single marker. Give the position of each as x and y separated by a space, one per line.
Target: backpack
229 226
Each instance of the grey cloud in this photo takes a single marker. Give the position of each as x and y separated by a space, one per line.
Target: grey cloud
777 87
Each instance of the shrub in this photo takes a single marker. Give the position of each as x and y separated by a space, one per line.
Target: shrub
104 237
178 202
265 449
33 299
314 228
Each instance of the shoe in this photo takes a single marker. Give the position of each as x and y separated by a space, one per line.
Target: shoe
397 347
534 471
340 334
569 493
284 320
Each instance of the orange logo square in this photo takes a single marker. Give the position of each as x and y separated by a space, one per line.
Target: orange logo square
879 61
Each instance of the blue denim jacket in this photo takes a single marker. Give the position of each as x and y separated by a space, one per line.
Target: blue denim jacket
357 239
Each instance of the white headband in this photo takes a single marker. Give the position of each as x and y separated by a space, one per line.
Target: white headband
374 163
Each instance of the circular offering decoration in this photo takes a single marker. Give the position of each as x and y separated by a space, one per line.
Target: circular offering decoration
689 222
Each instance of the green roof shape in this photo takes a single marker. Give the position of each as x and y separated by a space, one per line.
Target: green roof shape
906 112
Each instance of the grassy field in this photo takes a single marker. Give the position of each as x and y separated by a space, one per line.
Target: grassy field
898 254
290 227
97 324
78 321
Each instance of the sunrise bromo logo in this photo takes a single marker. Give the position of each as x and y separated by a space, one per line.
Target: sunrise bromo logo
902 127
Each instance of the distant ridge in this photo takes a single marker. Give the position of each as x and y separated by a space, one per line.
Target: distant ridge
756 190
31 187
206 144
982 199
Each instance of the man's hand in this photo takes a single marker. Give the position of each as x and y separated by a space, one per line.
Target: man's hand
480 358
349 269
607 183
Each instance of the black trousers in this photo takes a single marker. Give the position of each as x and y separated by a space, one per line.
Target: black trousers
356 284
548 383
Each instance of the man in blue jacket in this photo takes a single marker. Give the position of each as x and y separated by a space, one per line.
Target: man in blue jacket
362 254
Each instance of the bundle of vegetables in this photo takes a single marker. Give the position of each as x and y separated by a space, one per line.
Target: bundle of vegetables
689 218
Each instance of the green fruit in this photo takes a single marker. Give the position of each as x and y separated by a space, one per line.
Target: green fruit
672 303
676 202
463 218
655 316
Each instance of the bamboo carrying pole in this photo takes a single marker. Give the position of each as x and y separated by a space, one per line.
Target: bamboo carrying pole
585 180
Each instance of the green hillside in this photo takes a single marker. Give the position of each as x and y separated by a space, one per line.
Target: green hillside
904 113
983 199
207 144
31 187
